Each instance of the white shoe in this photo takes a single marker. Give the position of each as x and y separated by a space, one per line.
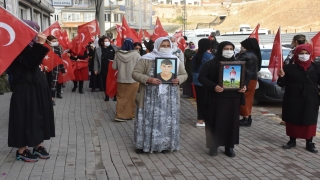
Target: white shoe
61 92
201 125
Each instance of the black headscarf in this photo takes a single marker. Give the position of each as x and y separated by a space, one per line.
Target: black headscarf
218 55
252 45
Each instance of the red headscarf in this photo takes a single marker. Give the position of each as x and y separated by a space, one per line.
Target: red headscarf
303 64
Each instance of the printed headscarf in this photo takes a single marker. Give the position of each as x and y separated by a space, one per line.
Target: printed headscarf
303 64
156 53
34 26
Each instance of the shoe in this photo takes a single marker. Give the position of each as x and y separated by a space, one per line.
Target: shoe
201 125
61 92
245 122
120 120
59 96
53 103
115 99
1 93
311 147
81 92
282 123
74 89
41 152
289 145
213 152
26 156
165 151
229 152
139 151
106 98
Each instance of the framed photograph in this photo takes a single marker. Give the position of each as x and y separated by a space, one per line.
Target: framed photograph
166 69
232 75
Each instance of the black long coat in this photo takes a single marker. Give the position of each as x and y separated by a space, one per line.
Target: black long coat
300 104
31 117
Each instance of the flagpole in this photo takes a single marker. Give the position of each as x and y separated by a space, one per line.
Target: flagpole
281 56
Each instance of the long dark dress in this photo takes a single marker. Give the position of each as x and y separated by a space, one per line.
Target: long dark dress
300 104
222 113
187 86
31 117
95 79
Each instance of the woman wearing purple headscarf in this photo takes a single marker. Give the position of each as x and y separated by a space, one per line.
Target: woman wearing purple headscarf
124 61
31 118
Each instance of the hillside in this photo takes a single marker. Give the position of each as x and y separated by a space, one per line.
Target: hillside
291 15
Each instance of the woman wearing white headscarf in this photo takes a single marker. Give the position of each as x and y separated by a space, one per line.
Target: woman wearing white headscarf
158 105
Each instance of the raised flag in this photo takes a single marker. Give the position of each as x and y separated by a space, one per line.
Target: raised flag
51 60
146 34
180 40
80 41
92 26
315 42
69 75
15 36
255 33
158 31
118 41
54 29
275 63
127 31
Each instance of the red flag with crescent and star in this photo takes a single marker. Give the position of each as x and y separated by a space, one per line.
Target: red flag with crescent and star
158 31
146 34
119 36
180 40
69 76
315 42
93 27
275 63
15 36
80 42
127 31
54 29
51 60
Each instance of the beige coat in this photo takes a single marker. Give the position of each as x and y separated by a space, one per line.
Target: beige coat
141 74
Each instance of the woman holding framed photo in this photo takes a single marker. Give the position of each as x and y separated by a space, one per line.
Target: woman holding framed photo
223 105
158 105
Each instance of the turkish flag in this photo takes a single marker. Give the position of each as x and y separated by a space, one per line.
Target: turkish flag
80 42
93 27
51 60
119 36
255 33
15 35
146 34
315 42
54 30
275 62
127 31
65 42
69 76
180 41
158 31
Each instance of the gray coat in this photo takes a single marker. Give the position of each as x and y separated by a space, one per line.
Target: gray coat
97 57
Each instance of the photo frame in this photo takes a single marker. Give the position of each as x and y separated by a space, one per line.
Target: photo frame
232 75
166 69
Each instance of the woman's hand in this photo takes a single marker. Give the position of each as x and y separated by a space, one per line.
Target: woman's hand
95 72
154 81
243 90
281 73
41 38
218 89
175 81
78 60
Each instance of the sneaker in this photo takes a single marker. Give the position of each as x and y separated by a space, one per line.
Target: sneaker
41 152
201 125
120 120
26 156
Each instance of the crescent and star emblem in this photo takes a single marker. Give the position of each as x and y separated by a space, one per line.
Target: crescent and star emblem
10 31
155 30
94 28
66 62
53 30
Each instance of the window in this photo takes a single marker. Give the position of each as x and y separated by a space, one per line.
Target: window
56 17
107 17
71 17
88 17
116 18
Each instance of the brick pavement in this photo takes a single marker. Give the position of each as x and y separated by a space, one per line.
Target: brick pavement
90 145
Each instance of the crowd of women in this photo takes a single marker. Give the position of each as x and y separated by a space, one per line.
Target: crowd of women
153 105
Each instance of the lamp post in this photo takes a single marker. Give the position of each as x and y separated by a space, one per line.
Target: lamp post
110 19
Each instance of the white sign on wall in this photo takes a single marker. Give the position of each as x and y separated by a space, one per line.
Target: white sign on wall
62 3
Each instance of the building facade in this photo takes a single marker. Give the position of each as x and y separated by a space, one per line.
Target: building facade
179 2
139 13
35 10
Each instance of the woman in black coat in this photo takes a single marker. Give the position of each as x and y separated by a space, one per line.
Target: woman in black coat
300 104
222 107
31 117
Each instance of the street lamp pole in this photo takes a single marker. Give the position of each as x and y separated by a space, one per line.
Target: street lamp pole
110 20
140 15
100 9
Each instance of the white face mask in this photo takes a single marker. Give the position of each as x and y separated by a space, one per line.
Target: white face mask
165 50
304 57
53 44
107 43
175 44
92 45
227 53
